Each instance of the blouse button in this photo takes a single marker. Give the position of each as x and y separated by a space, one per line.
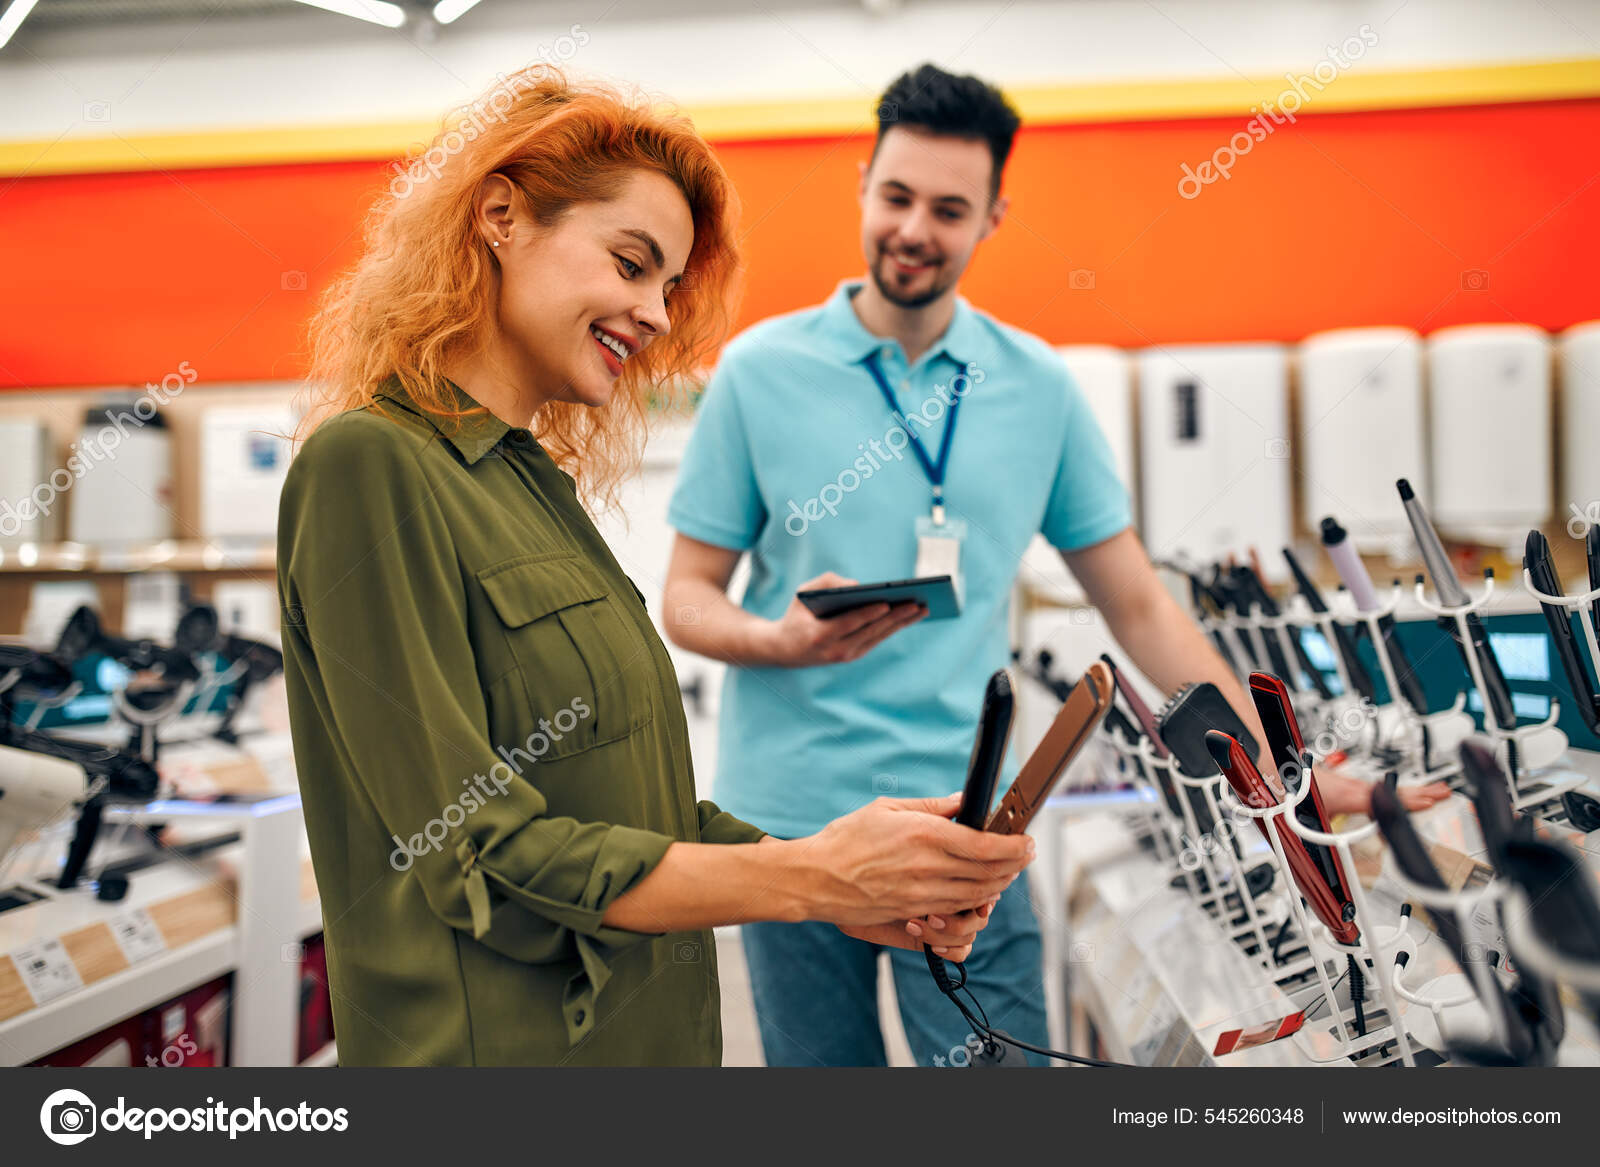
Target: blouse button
520 437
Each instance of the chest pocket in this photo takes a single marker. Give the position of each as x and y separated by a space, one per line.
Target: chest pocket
587 669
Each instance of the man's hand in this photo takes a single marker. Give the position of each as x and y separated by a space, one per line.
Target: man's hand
799 639
951 937
1343 793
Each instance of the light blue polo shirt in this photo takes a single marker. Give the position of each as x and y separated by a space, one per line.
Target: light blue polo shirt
796 458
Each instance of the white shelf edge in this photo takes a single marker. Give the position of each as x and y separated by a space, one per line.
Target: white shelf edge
75 1015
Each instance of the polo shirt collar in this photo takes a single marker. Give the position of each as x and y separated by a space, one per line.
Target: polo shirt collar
472 436
961 341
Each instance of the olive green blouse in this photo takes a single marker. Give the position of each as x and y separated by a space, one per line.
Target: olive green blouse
491 747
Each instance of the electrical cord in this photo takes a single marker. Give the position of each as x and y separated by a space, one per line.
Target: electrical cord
994 1038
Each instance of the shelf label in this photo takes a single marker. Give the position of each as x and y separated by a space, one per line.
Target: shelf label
46 970
137 935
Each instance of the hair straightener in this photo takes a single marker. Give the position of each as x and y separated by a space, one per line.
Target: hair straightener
1542 571
1209 605
1244 591
1293 763
1342 554
1591 552
1144 723
1080 714
1536 999
1252 789
1270 607
1452 594
1528 1039
1344 637
988 751
1562 906
1074 724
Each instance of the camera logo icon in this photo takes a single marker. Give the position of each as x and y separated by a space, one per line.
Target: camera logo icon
67 1117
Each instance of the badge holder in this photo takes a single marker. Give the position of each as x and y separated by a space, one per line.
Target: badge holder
1339 1032
1509 744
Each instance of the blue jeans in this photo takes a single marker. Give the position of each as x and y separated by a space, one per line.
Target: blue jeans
816 994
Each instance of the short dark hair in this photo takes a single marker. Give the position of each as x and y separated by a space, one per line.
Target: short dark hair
930 99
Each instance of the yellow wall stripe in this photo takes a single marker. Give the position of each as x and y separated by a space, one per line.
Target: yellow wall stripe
813 117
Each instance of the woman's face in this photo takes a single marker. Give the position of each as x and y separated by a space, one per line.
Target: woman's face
578 299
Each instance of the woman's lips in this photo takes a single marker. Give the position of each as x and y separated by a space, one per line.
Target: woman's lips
613 366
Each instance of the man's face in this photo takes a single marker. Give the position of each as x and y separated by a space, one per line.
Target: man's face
924 209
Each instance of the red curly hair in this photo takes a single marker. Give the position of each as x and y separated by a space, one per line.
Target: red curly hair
420 295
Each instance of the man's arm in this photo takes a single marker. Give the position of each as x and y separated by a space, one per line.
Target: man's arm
1158 635
1168 647
701 617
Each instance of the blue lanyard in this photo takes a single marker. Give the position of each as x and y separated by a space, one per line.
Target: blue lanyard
934 470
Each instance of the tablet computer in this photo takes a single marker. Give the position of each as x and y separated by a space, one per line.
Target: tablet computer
937 593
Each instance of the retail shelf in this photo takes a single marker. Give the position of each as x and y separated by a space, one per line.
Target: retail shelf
59 1023
188 555
246 907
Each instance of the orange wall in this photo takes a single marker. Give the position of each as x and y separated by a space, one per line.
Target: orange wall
1343 219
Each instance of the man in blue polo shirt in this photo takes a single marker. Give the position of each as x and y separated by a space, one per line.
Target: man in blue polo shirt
895 428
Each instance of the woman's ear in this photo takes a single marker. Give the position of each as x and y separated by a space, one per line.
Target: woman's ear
493 209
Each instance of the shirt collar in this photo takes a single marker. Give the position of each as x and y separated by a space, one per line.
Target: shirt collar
472 436
961 341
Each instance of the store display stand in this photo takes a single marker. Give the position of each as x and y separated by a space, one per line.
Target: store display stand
1419 728
1375 941
1257 925
1508 743
1436 998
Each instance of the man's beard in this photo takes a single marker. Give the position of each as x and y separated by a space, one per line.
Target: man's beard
901 299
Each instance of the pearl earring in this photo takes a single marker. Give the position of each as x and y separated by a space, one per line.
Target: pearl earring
496 243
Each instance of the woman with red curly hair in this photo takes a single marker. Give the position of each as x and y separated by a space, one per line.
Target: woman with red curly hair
489 734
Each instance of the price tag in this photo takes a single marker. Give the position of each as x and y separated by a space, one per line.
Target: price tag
137 935
46 970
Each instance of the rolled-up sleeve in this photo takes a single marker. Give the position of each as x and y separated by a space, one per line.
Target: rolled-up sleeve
375 611
718 826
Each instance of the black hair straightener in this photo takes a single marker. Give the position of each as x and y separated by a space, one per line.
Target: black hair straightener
1344 637
1450 592
988 751
1536 999
1342 554
1562 905
1542 571
1527 1038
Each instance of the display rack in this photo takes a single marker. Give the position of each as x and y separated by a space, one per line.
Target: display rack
1419 728
1376 939
1441 995
1509 744
256 928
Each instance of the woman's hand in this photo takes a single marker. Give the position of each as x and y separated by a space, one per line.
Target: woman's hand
900 859
950 937
800 639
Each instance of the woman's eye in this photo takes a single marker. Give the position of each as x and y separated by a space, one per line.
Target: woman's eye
629 268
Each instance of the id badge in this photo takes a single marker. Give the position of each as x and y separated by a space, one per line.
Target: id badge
939 550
